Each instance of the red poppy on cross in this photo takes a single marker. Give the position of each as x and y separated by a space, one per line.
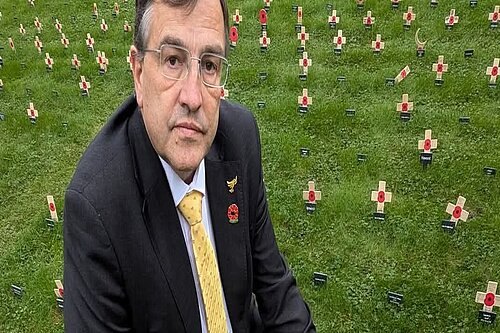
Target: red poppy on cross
64 41
126 27
224 93
129 58
305 62
59 291
58 26
457 211
381 196
303 36
311 195
299 15
237 18
402 75
489 299
450 20
339 40
404 106
94 10
267 3
369 19
11 44
104 25
90 42
333 19
52 208
38 44
75 62
22 31
493 71
32 112
428 143
116 9
440 68
263 17
495 16
48 61
409 16
378 44
38 25
233 35
264 40
84 86
304 100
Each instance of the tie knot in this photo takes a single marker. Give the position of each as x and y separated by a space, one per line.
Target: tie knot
190 207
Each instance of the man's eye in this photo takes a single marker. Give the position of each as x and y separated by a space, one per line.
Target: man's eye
173 61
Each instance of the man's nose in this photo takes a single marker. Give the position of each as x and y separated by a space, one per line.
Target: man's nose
190 95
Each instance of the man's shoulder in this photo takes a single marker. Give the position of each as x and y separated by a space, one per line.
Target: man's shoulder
109 153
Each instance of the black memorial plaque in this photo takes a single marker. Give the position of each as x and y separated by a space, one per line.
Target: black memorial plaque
464 120
395 5
304 152
303 109
263 49
298 28
438 82
295 8
50 223
486 317
261 104
320 279
468 53
16 290
420 53
337 51
310 207
489 171
60 303
350 112
426 159
2 116
361 157
390 82
263 76
473 3
379 216
341 79
302 77
329 7
448 226
394 298
434 3
405 116
300 50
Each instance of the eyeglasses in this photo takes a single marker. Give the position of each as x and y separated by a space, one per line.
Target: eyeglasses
175 62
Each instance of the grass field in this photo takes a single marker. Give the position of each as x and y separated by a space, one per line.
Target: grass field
438 273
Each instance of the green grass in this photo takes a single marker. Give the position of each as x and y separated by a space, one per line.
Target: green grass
438 273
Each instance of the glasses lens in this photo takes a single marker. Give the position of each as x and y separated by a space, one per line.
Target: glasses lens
214 69
174 62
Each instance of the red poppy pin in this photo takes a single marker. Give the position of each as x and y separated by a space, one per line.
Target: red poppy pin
232 213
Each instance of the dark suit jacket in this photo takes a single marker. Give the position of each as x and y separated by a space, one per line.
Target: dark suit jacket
126 264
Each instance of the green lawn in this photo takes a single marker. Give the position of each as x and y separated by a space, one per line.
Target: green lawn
438 273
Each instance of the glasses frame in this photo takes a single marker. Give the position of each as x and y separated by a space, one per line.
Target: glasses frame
158 51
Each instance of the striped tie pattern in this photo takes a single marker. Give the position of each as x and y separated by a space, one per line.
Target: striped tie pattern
206 264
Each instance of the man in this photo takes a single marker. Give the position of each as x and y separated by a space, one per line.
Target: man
166 220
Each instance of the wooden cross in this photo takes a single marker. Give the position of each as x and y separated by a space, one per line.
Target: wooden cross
58 26
264 40
224 93
402 75
263 18
90 42
409 16
233 35
38 44
75 62
38 25
59 291
32 3
52 208
102 61
303 36
428 143
493 71
1 84
64 41
457 211
11 44
84 86
405 106
339 41
305 62
311 195
129 60
378 44
304 100
104 26
368 20
451 20
440 68
94 10
334 19
495 16
299 15
116 9
48 61
22 31
381 196
267 3
237 18
489 299
32 112
126 27
360 3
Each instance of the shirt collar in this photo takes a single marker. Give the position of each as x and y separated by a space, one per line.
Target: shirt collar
178 187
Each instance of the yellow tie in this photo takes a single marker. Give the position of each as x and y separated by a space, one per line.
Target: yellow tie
206 264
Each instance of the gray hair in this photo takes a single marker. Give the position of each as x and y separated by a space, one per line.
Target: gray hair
144 16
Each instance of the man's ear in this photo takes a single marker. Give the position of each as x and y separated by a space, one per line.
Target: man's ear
137 73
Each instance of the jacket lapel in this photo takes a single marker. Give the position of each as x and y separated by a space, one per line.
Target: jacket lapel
231 243
163 224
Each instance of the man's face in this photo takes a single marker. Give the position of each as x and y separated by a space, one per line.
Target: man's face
181 117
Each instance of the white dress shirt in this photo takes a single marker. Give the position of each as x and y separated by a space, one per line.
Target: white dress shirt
179 189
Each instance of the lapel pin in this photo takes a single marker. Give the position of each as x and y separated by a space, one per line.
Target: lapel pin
231 184
232 213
